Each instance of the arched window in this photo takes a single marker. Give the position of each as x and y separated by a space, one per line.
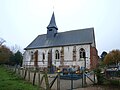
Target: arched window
43 56
82 53
32 56
57 55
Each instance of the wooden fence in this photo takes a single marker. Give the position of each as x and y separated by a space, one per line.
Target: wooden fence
45 81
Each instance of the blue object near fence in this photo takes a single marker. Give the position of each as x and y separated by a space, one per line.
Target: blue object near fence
71 76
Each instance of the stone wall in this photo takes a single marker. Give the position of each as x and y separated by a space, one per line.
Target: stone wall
67 57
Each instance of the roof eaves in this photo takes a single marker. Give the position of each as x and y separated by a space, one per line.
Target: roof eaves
57 46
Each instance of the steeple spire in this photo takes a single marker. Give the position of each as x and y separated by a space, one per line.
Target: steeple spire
52 27
52 23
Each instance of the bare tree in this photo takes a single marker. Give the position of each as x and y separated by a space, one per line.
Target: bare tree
15 48
2 41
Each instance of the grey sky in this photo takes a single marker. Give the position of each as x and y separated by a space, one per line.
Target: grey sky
22 20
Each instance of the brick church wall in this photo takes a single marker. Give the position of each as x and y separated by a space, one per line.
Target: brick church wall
93 57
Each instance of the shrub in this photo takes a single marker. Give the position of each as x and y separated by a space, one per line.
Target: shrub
114 82
99 75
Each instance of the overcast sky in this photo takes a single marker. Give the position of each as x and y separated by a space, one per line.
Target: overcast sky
21 21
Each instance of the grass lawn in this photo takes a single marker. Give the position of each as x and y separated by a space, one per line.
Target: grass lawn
9 81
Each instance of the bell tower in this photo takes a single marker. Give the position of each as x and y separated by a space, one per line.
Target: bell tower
52 28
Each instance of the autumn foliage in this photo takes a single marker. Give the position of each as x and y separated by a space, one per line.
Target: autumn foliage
8 57
113 57
5 54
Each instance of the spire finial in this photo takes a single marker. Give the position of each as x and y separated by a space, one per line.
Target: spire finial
53 7
53 4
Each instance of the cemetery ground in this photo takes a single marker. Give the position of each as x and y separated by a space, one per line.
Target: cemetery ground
9 81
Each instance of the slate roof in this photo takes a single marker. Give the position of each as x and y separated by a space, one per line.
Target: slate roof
74 37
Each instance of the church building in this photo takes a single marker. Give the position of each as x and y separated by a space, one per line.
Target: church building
65 49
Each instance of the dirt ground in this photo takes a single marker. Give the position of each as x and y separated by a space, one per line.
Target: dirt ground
99 88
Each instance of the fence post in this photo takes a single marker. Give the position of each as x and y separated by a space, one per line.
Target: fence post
34 77
28 74
19 71
72 80
25 73
46 81
39 86
94 77
58 81
85 83
15 69
82 79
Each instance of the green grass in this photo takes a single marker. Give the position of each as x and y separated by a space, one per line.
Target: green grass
9 81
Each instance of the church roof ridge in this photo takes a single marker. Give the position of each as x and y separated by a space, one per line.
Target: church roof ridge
91 28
